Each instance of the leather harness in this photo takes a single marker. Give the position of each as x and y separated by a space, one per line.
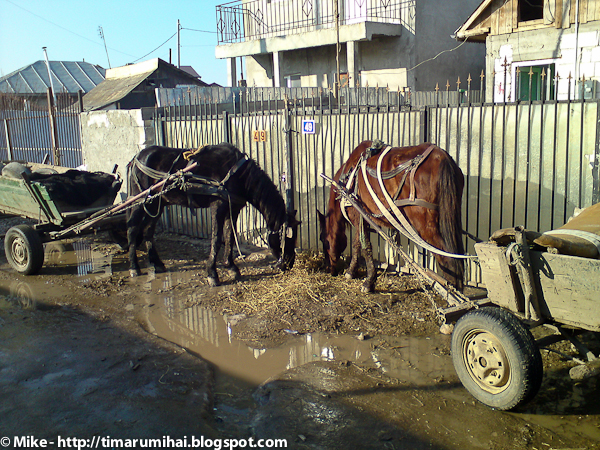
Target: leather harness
408 167
192 183
392 213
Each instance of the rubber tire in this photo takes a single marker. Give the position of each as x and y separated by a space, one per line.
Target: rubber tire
514 342
29 246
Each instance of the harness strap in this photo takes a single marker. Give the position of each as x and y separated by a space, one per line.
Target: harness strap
424 156
415 202
392 173
408 167
152 173
157 174
405 228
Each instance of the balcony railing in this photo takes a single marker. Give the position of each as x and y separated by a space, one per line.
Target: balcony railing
241 20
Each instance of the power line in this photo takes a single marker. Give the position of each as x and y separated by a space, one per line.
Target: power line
440 53
200 31
149 53
62 28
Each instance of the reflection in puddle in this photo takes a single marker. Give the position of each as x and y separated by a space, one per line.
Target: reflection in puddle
208 334
77 257
17 293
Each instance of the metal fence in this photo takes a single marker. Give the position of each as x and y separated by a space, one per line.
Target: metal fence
529 163
41 130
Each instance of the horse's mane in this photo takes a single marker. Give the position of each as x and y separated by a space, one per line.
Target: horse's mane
261 192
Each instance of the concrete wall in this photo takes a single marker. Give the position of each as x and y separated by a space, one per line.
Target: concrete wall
114 137
436 22
547 45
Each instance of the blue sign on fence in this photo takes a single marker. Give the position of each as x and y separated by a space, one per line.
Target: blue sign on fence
308 127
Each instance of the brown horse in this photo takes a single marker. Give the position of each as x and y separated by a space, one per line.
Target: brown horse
425 185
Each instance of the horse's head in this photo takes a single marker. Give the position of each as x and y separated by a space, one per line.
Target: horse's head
323 239
285 238
333 236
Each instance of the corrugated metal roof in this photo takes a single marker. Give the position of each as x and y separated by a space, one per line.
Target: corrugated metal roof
67 77
120 81
112 90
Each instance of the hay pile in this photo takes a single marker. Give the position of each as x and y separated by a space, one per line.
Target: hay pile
309 299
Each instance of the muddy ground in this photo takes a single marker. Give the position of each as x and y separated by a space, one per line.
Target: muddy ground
86 351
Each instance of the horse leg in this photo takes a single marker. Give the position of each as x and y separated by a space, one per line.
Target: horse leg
218 221
356 250
134 228
362 246
153 258
229 230
367 252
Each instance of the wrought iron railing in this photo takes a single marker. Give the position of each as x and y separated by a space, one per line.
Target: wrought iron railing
242 20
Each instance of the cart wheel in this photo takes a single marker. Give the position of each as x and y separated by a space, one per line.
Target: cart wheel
24 249
496 358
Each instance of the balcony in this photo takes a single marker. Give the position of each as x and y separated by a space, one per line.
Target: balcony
244 21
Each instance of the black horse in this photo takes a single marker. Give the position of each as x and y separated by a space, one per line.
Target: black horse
223 179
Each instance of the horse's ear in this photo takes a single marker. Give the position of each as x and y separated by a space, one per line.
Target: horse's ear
321 219
294 222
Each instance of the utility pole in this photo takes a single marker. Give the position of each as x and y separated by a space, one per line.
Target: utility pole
337 48
101 33
49 73
178 44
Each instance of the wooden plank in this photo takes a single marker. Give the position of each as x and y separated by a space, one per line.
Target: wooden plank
569 288
514 14
549 12
15 199
500 281
572 11
475 16
559 14
583 11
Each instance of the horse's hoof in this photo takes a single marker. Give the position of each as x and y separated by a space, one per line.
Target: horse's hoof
212 282
237 276
160 269
366 289
348 276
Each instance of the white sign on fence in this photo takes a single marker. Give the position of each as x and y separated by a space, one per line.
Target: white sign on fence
308 127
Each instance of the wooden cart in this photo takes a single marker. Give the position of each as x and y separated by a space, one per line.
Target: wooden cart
494 353
56 220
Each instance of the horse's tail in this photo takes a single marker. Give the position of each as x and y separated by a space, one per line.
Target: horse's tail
450 187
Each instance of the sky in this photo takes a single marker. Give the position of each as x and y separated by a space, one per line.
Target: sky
134 31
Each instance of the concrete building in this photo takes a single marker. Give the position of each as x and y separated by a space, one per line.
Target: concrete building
395 43
538 49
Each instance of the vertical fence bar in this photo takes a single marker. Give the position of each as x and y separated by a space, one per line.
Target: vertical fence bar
596 159
8 139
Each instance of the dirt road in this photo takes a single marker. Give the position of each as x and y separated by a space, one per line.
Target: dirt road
87 351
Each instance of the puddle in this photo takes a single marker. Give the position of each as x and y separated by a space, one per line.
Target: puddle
75 257
210 335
